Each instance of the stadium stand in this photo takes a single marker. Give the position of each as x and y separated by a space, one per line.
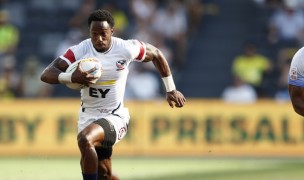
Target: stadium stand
206 70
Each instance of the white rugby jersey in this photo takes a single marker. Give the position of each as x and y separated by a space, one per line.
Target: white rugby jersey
108 93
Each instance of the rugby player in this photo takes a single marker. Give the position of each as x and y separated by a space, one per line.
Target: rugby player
103 119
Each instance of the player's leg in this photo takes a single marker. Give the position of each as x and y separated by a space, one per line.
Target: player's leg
115 128
105 170
104 152
105 163
115 176
88 138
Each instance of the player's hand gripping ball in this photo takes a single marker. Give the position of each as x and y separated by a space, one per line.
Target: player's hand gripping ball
86 65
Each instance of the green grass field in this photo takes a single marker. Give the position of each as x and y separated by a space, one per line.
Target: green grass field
42 168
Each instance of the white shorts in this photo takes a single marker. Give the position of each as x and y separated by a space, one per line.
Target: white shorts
120 120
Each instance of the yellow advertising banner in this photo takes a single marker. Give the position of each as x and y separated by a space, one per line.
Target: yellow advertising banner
202 127
38 127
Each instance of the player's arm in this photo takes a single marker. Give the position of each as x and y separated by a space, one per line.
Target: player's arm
51 72
156 56
297 98
55 73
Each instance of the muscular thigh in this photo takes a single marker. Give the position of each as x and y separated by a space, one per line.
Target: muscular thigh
120 124
94 133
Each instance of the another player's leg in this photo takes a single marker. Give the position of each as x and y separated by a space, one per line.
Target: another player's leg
90 137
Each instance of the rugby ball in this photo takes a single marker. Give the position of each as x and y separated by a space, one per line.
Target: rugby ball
86 65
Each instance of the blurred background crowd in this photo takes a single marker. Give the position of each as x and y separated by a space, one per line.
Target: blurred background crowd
237 50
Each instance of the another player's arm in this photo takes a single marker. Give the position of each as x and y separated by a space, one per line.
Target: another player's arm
54 73
156 56
297 98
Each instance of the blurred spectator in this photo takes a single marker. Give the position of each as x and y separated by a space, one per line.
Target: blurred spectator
145 35
79 20
195 12
121 20
239 92
142 84
5 93
9 34
283 64
269 4
31 86
143 10
9 40
73 37
17 12
10 78
171 22
251 67
287 23
142 32
160 43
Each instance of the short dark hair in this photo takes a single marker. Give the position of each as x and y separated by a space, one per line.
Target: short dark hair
101 15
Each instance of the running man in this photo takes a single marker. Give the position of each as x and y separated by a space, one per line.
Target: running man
103 119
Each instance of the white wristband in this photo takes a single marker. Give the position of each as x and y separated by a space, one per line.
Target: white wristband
169 83
65 78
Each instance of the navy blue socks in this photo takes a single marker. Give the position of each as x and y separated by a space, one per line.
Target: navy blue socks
89 176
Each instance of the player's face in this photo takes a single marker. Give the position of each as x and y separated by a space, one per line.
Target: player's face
100 33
